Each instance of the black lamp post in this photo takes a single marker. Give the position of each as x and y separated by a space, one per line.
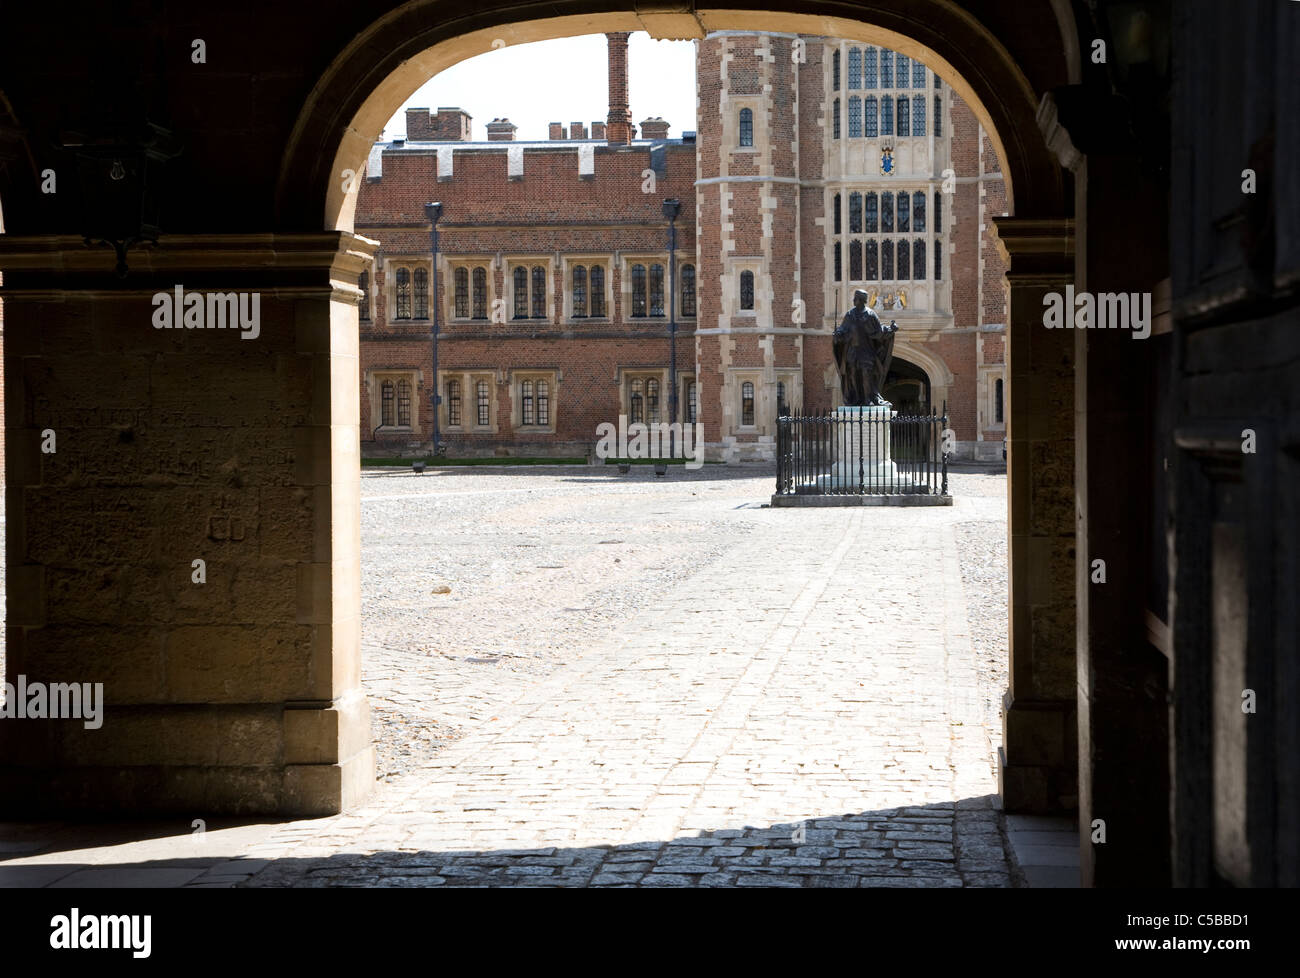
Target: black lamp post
433 212
672 207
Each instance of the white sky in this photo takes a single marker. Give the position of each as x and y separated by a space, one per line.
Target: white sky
565 80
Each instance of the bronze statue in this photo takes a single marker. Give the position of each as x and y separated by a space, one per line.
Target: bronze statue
863 349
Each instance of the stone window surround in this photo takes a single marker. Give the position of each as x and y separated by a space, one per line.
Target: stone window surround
374 382
628 374
625 284
529 262
447 286
731 138
684 381
734 265
552 377
989 375
390 266
469 379
587 260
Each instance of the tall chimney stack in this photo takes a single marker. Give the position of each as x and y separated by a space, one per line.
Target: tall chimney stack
618 128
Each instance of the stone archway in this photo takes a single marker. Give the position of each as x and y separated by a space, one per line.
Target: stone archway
267 714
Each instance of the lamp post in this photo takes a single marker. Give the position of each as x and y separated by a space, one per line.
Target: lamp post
672 207
433 212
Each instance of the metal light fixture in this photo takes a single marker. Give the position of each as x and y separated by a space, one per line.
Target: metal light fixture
121 178
671 208
433 212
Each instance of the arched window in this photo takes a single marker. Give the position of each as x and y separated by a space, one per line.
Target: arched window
579 291
837 213
918 115
855 67
835 71
855 213
527 408
886 115
997 401
692 403
747 403
904 210
938 116
421 293
873 261
855 117
839 262
404 403
746 127
887 260
656 290
918 75
521 292
918 211
873 214
484 406
539 292
870 117
453 402
886 211
387 412
855 261
363 283
636 412
904 269
462 293
543 402
918 258
886 68
403 293
835 121
903 66
688 291
652 400
480 293
869 70
638 290
598 291
904 123
747 290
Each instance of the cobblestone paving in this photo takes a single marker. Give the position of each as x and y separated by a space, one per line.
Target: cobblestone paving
798 704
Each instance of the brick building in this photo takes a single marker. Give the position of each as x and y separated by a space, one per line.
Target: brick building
820 166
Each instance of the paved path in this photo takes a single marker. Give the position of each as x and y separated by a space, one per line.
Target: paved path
781 717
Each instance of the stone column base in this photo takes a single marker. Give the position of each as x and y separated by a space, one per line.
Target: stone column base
1038 762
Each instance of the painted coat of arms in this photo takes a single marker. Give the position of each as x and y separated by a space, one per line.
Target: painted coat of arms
887 161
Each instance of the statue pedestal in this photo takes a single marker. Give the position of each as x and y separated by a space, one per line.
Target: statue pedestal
862 451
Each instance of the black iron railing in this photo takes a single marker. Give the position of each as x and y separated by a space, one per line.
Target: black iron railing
834 454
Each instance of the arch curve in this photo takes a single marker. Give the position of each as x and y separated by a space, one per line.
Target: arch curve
999 69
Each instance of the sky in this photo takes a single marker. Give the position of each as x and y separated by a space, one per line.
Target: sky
566 80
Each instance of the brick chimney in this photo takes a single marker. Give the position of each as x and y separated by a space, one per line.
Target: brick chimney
577 130
419 124
597 130
501 131
618 130
557 130
654 128
451 124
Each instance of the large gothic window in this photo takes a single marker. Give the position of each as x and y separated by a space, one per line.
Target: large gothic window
918 115
887 260
869 71
918 75
904 211
904 123
873 213
855 117
904 65
855 67
886 115
904 270
855 261
873 260
871 122
918 211
887 211
918 258
886 69
855 213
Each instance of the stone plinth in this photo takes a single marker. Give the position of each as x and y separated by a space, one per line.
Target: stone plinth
862 450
